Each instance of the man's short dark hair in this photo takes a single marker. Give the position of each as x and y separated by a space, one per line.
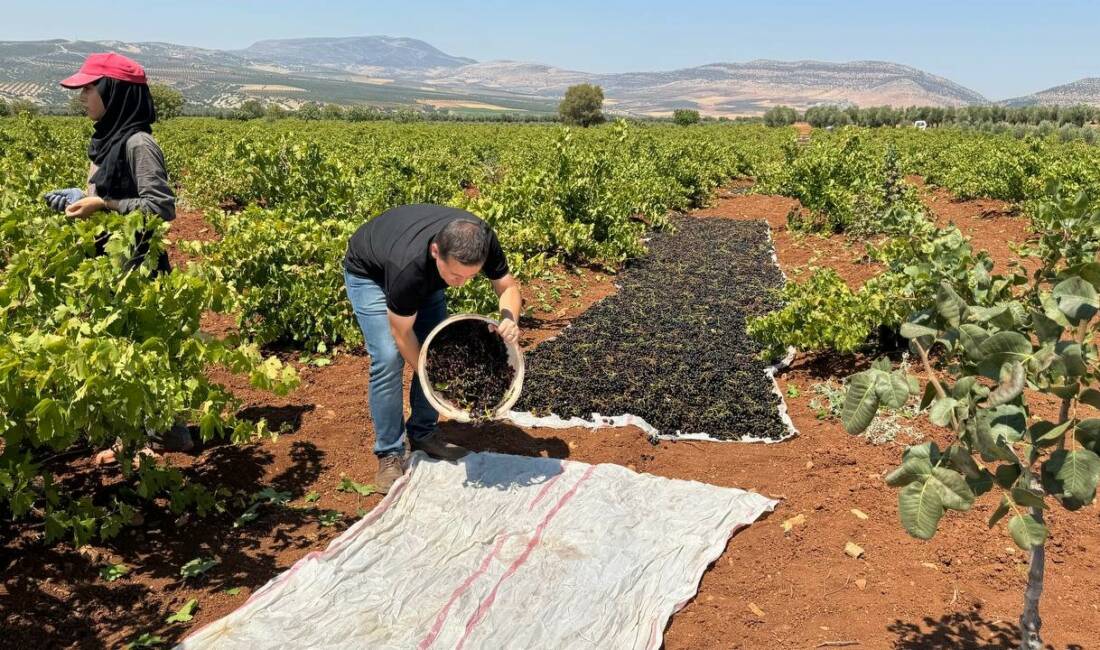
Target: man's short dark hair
465 240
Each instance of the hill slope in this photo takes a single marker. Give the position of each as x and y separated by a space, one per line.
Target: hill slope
1082 91
392 71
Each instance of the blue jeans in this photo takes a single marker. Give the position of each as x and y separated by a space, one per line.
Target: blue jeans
387 366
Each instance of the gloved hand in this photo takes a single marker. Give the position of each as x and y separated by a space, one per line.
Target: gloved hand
60 199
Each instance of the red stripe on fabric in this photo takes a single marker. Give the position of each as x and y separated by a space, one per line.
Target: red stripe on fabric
440 618
544 490
461 589
483 608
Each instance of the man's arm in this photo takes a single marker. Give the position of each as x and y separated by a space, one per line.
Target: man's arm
507 289
401 327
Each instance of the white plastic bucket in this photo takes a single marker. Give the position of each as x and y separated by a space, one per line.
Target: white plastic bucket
442 404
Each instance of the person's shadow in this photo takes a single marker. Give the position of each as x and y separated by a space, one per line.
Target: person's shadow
502 438
539 462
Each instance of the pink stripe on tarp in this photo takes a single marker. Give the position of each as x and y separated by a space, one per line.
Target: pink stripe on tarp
461 589
483 608
270 589
437 627
544 490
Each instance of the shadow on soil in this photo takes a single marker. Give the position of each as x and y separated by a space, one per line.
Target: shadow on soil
55 597
281 419
959 631
503 438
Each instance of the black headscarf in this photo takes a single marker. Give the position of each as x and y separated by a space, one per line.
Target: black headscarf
129 110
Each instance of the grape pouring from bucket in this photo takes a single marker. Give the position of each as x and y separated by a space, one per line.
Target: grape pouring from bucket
396 270
469 372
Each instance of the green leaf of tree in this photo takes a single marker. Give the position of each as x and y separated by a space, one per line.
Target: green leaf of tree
1072 358
912 330
962 461
1090 396
1000 512
1010 343
1002 348
972 337
1046 329
955 494
1027 532
1007 475
1088 433
1076 299
990 441
961 389
1028 498
1067 390
1045 433
882 364
892 390
942 411
1076 474
1089 272
860 402
928 397
146 640
1012 381
949 305
349 485
1007 421
920 508
330 517
198 566
911 469
980 484
1052 311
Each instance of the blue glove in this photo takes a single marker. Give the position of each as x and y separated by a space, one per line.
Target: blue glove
60 199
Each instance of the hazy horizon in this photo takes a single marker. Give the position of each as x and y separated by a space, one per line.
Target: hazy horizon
999 49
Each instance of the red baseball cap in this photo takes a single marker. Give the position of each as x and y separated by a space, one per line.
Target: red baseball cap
107 64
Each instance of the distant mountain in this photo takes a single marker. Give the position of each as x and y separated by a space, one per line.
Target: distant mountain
1082 91
224 79
384 52
729 88
390 71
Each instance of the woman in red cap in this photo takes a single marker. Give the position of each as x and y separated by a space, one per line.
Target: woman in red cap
127 172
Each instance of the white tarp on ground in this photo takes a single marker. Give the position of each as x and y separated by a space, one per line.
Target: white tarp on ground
500 551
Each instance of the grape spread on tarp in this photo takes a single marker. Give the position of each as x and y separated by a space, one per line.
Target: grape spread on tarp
670 347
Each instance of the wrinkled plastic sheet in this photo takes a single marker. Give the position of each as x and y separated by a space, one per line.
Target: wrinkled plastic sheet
500 551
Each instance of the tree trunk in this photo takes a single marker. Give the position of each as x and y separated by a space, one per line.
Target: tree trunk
1030 622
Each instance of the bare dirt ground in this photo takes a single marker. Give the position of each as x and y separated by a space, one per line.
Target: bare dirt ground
770 589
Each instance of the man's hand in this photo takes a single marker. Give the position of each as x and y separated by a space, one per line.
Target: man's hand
58 200
401 328
508 330
85 207
507 289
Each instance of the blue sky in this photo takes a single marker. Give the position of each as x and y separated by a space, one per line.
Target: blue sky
1001 49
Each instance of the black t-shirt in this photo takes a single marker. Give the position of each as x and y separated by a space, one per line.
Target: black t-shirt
393 250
